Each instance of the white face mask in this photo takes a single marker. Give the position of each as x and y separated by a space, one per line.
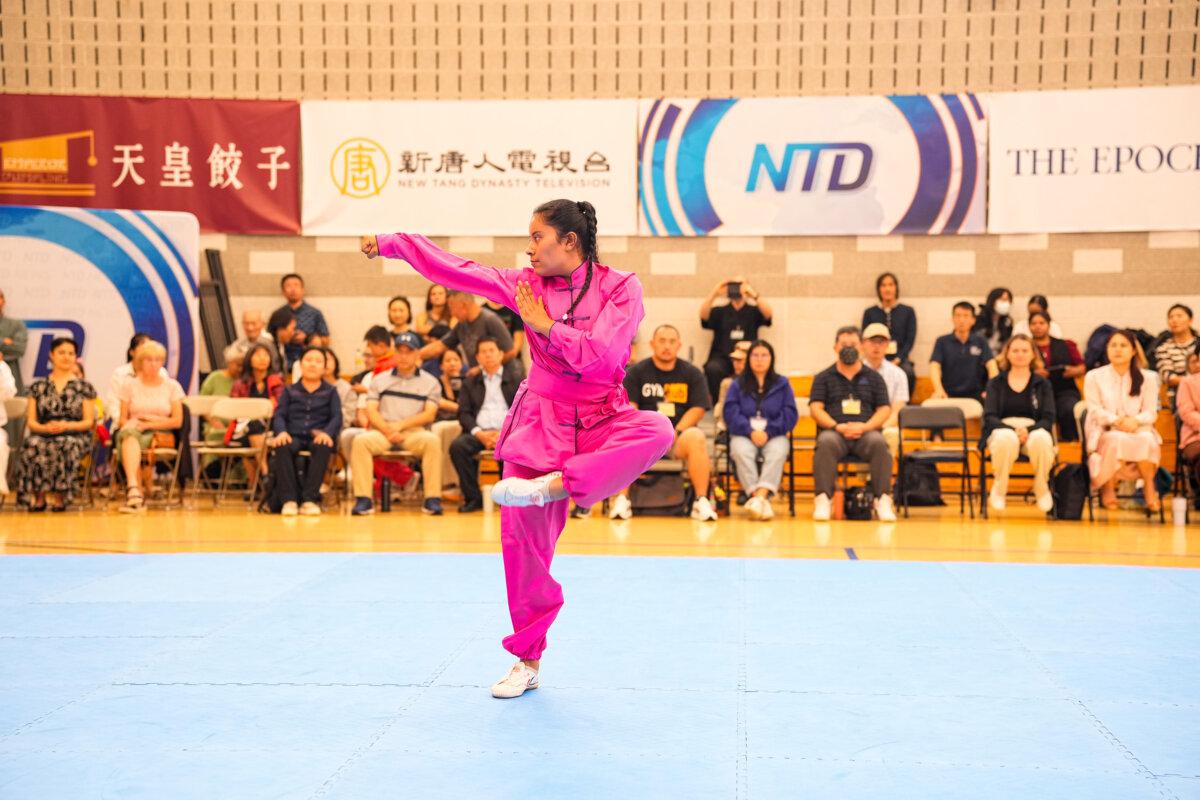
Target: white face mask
1003 307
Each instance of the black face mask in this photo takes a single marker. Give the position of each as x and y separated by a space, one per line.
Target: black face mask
848 356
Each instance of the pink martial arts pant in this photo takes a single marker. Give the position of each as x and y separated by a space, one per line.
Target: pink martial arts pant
609 457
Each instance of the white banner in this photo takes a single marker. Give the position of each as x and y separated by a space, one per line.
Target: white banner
97 276
812 165
1095 160
465 168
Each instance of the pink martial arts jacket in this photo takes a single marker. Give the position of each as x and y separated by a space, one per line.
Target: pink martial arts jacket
577 373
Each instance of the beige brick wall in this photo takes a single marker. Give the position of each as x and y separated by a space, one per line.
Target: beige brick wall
639 48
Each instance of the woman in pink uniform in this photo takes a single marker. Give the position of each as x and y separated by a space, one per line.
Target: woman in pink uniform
571 431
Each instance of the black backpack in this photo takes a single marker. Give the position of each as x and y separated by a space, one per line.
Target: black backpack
660 493
859 503
920 484
1070 485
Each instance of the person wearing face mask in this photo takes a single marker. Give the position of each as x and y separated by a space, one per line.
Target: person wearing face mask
994 322
571 432
849 403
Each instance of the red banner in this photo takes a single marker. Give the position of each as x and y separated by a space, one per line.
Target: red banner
235 164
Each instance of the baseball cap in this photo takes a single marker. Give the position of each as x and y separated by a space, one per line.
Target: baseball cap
877 329
408 339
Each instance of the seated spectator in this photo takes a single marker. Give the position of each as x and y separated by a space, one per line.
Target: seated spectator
849 403
1061 365
1122 407
474 323
308 417
736 321
483 404
282 328
1172 353
1018 416
875 345
760 411
347 396
59 420
737 357
901 322
962 362
677 390
310 329
1187 408
1038 304
257 381
151 412
994 324
123 374
401 405
14 337
399 315
380 356
219 383
254 331
446 427
8 390
436 312
433 364
516 328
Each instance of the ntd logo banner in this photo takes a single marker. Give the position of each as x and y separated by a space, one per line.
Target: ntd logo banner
812 165
97 275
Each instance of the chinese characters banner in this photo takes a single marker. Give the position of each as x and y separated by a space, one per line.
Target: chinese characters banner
232 163
470 167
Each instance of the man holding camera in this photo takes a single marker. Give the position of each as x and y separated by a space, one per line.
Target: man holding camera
736 321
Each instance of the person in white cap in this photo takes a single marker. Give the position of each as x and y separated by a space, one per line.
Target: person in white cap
876 340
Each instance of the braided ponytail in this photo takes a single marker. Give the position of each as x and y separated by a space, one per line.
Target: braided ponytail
588 241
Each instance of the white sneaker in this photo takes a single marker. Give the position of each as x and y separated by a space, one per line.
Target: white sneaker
996 500
822 508
519 680
520 492
620 508
702 510
884 509
310 509
290 509
1045 501
752 507
765 511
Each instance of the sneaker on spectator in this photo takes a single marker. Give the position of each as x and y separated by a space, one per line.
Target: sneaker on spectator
1045 502
310 509
579 512
884 509
432 505
290 509
997 500
702 510
362 507
519 680
620 508
822 508
765 512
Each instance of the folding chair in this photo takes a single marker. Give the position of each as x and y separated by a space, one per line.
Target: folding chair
151 456
229 409
925 418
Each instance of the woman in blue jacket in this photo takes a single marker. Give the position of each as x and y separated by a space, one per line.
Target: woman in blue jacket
760 409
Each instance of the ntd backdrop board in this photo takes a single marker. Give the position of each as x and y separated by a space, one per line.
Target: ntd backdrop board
1095 160
465 168
98 275
812 165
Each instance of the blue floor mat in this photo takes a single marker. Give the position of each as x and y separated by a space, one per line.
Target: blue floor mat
363 676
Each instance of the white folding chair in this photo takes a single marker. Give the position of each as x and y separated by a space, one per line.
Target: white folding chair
229 409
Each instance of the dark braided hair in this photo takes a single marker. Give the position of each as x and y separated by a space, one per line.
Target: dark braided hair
579 218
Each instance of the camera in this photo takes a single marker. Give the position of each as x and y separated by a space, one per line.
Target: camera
735 290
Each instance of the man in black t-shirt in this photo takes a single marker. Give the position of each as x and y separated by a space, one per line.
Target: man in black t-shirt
849 403
677 389
738 321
